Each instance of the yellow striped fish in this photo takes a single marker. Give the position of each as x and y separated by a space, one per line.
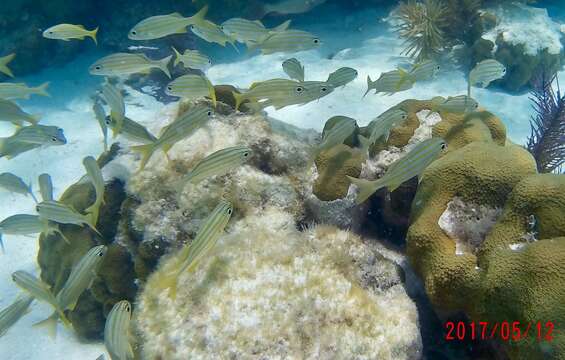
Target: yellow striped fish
159 26
115 100
95 175
412 164
64 214
270 89
10 111
206 238
131 130
484 73
192 59
343 127
15 184
192 87
117 331
384 123
460 104
244 30
288 41
342 76
219 163
390 82
14 312
29 138
24 224
294 69
425 70
45 187
12 91
121 64
81 277
182 127
100 116
210 32
66 32
4 61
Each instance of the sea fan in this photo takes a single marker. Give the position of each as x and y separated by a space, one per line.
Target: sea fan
547 138
420 24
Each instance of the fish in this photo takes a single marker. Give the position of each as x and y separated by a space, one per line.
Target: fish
10 111
31 137
210 32
40 291
117 331
100 116
45 187
294 69
25 224
120 64
412 164
343 128
288 41
342 76
4 61
14 312
390 82
64 214
182 127
95 176
244 30
115 100
282 88
315 90
206 238
131 130
218 163
192 87
156 27
457 104
15 184
291 7
484 73
302 94
425 70
13 91
192 59
81 277
66 32
384 123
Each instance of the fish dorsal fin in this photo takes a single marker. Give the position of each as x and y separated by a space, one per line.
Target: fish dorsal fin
176 14
258 22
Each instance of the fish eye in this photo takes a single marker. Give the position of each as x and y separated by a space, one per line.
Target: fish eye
133 32
50 32
98 67
191 27
246 154
127 308
316 41
299 89
443 146
170 88
54 139
404 116
324 89
108 121
209 113
37 208
209 61
101 253
229 211
504 71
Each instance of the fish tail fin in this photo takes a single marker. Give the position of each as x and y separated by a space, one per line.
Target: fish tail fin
146 152
30 190
282 27
4 64
34 118
366 188
92 34
369 85
42 89
199 16
212 94
365 143
232 42
239 98
91 220
93 211
169 281
2 147
58 231
252 46
469 88
2 244
177 56
50 324
163 64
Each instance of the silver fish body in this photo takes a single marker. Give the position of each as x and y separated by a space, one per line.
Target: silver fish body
63 214
100 116
294 69
115 100
117 331
192 59
390 83
29 138
210 32
342 76
15 184
45 187
66 32
10 111
343 128
457 104
288 7
288 41
219 163
159 26
425 70
131 130
384 123
192 87
121 64
95 175
270 89
12 91
14 312
486 72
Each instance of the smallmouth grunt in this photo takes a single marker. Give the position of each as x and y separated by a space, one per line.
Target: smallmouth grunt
460 104
184 126
66 32
31 137
206 238
95 175
192 87
390 82
10 111
210 32
289 7
425 70
64 214
4 61
384 123
218 163
484 73
14 312
15 184
192 59
294 69
117 331
100 116
115 100
342 76
131 130
286 41
81 277
45 187
343 127
12 91
412 164
269 89
244 30
159 26
120 64
24 224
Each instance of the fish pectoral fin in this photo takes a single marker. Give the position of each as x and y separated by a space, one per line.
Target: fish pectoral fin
50 324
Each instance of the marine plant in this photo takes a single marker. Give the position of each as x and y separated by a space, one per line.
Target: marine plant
421 25
547 140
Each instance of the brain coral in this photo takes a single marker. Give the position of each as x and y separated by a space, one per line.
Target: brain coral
270 291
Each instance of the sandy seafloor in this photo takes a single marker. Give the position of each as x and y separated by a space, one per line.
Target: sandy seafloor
349 41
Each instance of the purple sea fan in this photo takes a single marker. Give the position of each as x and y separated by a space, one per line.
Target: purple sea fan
547 138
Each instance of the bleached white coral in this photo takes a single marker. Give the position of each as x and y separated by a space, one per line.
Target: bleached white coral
467 224
269 291
532 27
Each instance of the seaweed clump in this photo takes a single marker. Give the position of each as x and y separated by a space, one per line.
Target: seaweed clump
547 140
421 25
